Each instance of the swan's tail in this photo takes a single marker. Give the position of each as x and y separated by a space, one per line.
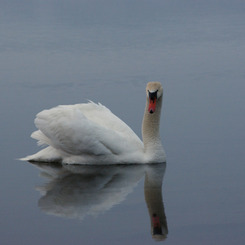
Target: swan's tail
41 138
48 154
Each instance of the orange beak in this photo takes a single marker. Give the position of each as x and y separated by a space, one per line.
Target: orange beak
152 101
152 105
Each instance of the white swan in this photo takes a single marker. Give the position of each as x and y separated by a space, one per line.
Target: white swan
91 134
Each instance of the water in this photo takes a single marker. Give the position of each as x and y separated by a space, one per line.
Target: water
64 53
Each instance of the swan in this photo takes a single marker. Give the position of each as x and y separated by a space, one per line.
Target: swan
90 133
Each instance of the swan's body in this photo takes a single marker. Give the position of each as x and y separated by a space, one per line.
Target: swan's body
91 134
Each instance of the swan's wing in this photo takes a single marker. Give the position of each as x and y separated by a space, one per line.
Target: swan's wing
85 129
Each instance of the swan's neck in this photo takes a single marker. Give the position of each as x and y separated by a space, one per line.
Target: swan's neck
150 128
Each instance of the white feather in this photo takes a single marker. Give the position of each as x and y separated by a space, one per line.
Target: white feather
84 130
91 134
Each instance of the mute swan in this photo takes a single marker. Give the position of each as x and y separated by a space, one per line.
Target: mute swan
90 133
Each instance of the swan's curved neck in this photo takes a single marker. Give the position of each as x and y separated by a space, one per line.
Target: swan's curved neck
150 127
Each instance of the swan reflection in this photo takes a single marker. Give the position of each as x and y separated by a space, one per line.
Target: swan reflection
75 191
153 197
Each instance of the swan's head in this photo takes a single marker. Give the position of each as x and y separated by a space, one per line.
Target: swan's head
154 92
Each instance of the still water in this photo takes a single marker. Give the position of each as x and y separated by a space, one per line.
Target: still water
60 52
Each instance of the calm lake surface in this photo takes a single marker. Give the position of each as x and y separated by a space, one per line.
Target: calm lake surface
66 52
